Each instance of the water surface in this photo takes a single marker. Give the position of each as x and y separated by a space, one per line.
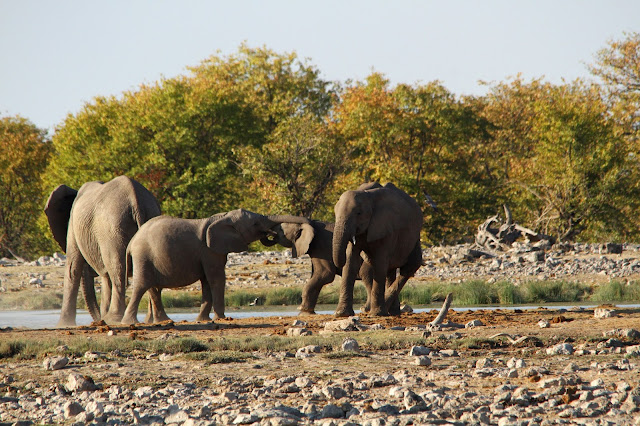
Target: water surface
49 318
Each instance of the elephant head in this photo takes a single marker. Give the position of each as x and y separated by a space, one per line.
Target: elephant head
297 236
58 211
367 213
235 230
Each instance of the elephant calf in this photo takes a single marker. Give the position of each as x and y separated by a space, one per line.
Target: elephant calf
169 252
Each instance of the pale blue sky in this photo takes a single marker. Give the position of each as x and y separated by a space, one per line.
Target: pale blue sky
58 55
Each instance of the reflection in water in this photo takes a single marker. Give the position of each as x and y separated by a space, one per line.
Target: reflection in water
49 318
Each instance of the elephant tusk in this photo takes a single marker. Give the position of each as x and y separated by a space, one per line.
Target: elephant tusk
353 240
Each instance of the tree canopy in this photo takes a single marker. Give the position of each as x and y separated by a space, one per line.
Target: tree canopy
263 130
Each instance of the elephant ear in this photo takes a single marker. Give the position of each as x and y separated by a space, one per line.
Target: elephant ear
223 238
302 239
58 211
384 219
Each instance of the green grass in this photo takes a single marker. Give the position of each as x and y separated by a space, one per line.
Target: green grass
467 293
617 291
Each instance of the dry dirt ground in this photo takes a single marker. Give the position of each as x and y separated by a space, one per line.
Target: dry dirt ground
492 340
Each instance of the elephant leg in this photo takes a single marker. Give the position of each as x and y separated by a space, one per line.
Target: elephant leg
349 274
87 284
217 280
74 269
366 275
105 297
408 270
320 276
156 312
207 301
150 318
117 275
131 313
380 270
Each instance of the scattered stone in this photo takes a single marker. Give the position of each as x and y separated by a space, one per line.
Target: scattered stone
560 349
55 362
295 331
422 360
474 323
350 344
347 324
419 351
604 313
76 382
543 323
72 409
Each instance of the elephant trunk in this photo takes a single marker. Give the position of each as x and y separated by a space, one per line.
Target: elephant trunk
286 218
342 234
268 242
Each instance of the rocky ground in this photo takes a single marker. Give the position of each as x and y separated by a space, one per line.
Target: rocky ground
504 367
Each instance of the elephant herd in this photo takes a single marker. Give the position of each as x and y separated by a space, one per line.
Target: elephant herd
115 230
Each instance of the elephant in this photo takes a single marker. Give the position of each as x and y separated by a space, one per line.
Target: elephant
170 252
381 225
93 225
315 239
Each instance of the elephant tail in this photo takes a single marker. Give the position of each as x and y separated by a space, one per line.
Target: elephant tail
129 264
89 293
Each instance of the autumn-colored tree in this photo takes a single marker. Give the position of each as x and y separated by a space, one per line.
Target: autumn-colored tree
423 140
564 169
24 151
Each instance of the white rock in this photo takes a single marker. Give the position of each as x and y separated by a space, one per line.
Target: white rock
76 382
143 391
295 331
543 323
350 344
560 349
419 351
422 360
604 313
474 323
55 362
72 409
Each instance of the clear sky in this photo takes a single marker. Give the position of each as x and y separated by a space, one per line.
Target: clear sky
57 55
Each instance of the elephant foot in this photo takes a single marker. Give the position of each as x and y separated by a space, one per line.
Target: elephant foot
221 316
394 312
112 318
203 318
128 320
306 311
344 312
63 323
378 312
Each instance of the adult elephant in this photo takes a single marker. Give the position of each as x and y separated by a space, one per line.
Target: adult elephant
314 239
383 225
93 225
169 252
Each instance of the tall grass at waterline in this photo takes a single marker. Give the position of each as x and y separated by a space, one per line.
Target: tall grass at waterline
617 291
466 293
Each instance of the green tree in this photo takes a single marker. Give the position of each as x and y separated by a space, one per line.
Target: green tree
182 137
24 152
294 170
